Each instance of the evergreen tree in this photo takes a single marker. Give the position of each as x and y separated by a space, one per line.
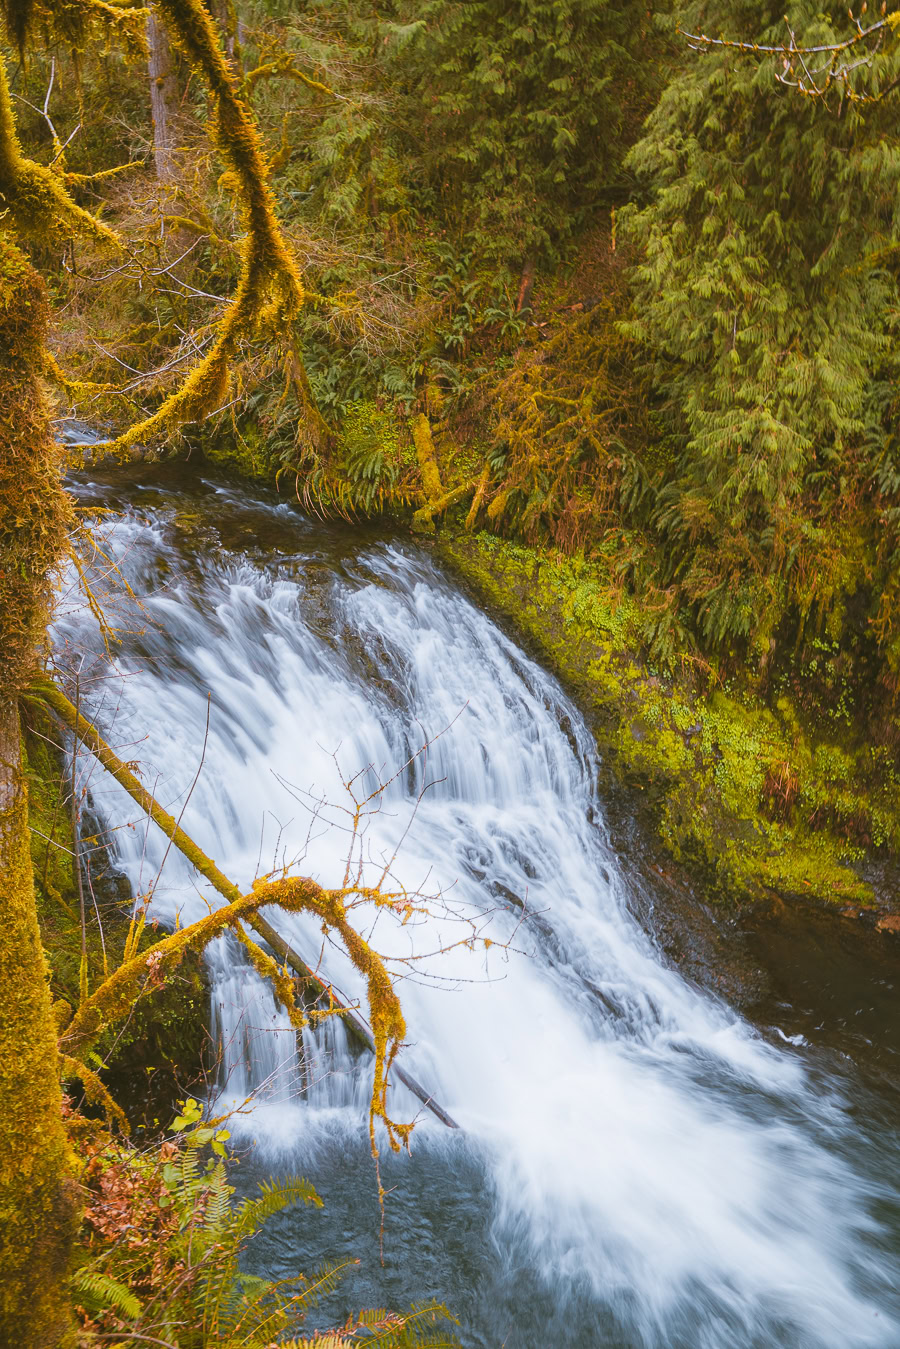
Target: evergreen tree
521 110
764 292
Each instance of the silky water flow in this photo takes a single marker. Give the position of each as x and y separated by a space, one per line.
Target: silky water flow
636 1165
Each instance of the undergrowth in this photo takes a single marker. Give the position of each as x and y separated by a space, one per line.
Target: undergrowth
160 1254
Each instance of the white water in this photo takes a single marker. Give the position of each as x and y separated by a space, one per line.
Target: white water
643 1143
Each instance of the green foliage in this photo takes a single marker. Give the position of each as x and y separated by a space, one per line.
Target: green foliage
522 110
764 291
740 789
101 1292
568 424
166 1250
371 449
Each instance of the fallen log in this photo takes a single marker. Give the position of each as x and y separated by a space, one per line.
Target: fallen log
425 452
318 987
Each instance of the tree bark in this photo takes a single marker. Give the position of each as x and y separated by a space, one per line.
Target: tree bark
38 1198
163 97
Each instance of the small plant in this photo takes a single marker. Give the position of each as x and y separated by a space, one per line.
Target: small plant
164 1240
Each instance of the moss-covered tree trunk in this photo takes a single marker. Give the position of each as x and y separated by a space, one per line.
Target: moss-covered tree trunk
38 1198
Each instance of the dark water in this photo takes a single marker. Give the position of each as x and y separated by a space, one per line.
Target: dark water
640 1164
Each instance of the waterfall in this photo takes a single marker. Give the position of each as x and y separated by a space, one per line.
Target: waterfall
654 1170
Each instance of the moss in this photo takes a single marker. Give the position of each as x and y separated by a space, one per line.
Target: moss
736 786
38 1206
365 427
269 293
245 450
428 465
33 197
115 998
48 818
166 1032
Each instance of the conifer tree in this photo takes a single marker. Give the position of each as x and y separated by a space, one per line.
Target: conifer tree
523 109
763 294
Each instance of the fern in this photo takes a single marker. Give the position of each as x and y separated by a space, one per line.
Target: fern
273 1197
383 1329
102 1292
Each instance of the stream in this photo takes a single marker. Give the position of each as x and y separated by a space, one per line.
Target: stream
638 1166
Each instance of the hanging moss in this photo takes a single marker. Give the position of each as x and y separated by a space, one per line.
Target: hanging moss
269 293
117 995
34 511
33 198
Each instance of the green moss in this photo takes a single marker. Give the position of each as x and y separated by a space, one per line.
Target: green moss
168 1028
48 817
244 448
736 786
366 428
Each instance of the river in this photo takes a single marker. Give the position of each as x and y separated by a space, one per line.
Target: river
638 1166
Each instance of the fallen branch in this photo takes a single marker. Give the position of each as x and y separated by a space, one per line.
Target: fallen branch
358 1029
423 519
243 907
428 465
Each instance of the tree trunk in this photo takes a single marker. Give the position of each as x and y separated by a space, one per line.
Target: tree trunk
163 97
38 1198
226 15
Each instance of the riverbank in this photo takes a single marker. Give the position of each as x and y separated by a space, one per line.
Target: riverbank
151 1060
739 789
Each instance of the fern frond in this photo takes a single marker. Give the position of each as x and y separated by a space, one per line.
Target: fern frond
106 1293
320 1342
324 1281
409 1331
273 1197
218 1202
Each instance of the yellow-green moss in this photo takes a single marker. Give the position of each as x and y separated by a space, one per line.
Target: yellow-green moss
166 1031
243 449
38 1205
735 785
428 465
116 997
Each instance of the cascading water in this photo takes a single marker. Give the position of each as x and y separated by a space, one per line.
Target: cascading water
636 1166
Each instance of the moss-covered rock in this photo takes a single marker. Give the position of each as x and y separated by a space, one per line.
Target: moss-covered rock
165 1036
737 786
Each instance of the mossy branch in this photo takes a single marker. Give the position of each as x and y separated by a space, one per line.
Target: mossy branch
78 21
285 64
423 519
114 998
32 197
269 293
95 1091
428 465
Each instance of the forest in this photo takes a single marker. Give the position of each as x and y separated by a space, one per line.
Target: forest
449 463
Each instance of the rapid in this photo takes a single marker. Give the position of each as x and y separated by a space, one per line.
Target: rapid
637 1166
